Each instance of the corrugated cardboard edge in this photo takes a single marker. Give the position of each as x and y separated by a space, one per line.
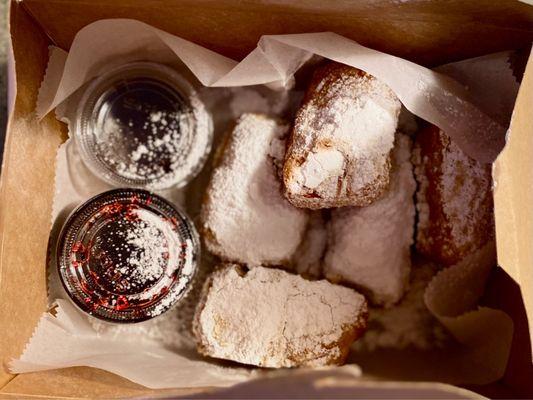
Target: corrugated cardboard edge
513 195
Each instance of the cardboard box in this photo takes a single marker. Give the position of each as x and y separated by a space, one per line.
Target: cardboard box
427 32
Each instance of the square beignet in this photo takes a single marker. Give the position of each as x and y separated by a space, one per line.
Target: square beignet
369 247
338 153
454 199
245 217
270 318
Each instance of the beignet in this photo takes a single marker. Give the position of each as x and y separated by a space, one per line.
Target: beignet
338 153
454 199
369 247
270 318
245 217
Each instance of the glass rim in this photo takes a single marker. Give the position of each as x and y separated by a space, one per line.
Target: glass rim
74 223
165 75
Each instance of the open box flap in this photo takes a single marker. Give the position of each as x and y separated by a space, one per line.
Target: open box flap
25 193
513 194
426 32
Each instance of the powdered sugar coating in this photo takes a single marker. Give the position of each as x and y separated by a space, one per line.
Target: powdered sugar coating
454 199
409 324
342 137
141 161
245 217
309 256
369 247
150 247
270 318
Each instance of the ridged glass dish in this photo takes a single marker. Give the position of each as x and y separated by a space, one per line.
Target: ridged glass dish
127 255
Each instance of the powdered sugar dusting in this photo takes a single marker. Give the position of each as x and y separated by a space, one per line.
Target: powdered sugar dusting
409 324
271 318
248 100
460 192
166 148
245 217
370 246
172 329
454 199
309 256
145 245
343 131
358 121
150 248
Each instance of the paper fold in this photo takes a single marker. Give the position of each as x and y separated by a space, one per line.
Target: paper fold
485 334
428 94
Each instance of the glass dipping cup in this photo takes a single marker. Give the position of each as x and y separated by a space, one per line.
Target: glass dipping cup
127 255
143 125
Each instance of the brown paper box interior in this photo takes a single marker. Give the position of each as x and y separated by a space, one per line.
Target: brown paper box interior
429 33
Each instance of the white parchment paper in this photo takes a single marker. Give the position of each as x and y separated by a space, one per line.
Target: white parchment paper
68 340
428 94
